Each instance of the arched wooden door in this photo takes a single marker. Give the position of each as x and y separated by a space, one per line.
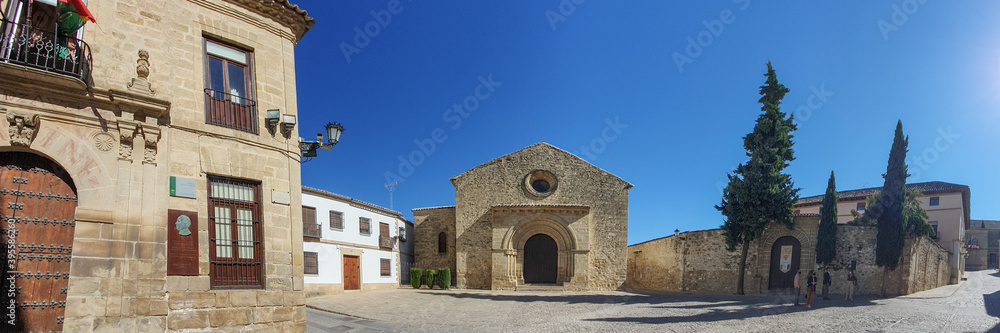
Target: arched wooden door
541 260
785 254
38 204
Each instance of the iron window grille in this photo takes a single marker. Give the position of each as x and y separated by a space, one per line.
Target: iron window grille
386 267
228 88
934 201
32 37
310 263
336 220
861 206
236 249
365 226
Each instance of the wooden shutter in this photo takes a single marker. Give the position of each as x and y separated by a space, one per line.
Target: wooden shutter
386 267
384 240
309 226
336 220
310 262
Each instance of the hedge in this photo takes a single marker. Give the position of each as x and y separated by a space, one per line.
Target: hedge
415 275
444 278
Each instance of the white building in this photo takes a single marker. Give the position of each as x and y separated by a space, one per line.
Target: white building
348 244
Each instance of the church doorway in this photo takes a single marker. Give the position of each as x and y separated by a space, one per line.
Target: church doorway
540 259
785 254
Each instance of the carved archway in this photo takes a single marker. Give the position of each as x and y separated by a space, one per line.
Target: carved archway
517 237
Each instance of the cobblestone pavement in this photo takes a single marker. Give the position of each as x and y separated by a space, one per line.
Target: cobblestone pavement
972 306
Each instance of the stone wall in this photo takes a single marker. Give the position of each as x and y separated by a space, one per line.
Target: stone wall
428 224
697 261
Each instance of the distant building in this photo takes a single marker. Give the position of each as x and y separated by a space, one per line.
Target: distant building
947 207
537 216
981 244
349 244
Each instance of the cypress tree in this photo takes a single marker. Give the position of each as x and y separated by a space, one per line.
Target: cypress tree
826 239
890 224
758 192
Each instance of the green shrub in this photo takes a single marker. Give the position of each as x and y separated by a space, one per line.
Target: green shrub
415 275
429 278
444 278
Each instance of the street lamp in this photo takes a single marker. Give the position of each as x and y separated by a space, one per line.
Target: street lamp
308 148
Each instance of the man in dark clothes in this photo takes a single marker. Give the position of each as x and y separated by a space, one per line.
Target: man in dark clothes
827 280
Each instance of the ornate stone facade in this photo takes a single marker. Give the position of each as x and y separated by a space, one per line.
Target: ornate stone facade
537 195
134 117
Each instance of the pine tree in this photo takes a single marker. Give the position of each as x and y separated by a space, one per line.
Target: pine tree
758 192
890 224
826 239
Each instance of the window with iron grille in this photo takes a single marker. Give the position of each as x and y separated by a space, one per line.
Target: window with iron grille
38 34
935 201
384 239
236 248
386 267
861 207
365 226
228 88
310 262
336 220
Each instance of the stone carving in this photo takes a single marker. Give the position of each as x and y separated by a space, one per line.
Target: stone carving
23 127
149 154
141 82
183 225
126 134
104 141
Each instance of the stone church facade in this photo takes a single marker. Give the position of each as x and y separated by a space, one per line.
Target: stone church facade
143 188
538 216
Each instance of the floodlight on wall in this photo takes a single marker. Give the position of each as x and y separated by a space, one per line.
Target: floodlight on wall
308 148
272 118
287 123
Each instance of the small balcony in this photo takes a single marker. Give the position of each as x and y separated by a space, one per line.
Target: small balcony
44 49
385 242
230 111
311 231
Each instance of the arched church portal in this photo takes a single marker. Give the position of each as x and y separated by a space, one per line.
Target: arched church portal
541 261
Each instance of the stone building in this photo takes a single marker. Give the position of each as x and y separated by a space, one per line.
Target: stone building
946 204
144 187
697 261
981 245
537 216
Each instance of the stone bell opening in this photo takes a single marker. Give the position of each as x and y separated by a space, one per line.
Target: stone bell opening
541 261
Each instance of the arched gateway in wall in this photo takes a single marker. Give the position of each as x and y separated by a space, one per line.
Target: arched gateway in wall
38 203
539 251
541 261
786 254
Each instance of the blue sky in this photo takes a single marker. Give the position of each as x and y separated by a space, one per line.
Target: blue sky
679 81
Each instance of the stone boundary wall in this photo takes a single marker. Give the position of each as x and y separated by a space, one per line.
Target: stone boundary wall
698 262
428 224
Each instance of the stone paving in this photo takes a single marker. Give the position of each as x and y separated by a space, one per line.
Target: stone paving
972 306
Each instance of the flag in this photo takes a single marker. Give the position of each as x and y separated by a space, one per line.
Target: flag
81 10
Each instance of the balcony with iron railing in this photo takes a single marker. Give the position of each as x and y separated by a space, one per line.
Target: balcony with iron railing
230 111
385 242
44 49
311 230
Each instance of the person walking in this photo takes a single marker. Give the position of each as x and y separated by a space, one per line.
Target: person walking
795 285
827 281
811 288
852 281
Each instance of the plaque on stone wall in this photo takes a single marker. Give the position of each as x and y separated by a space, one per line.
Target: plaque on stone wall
182 242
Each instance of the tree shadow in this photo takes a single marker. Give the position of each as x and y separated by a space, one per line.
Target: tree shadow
740 312
992 303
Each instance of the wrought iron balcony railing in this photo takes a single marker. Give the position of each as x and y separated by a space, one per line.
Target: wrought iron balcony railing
311 230
47 50
385 242
231 111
